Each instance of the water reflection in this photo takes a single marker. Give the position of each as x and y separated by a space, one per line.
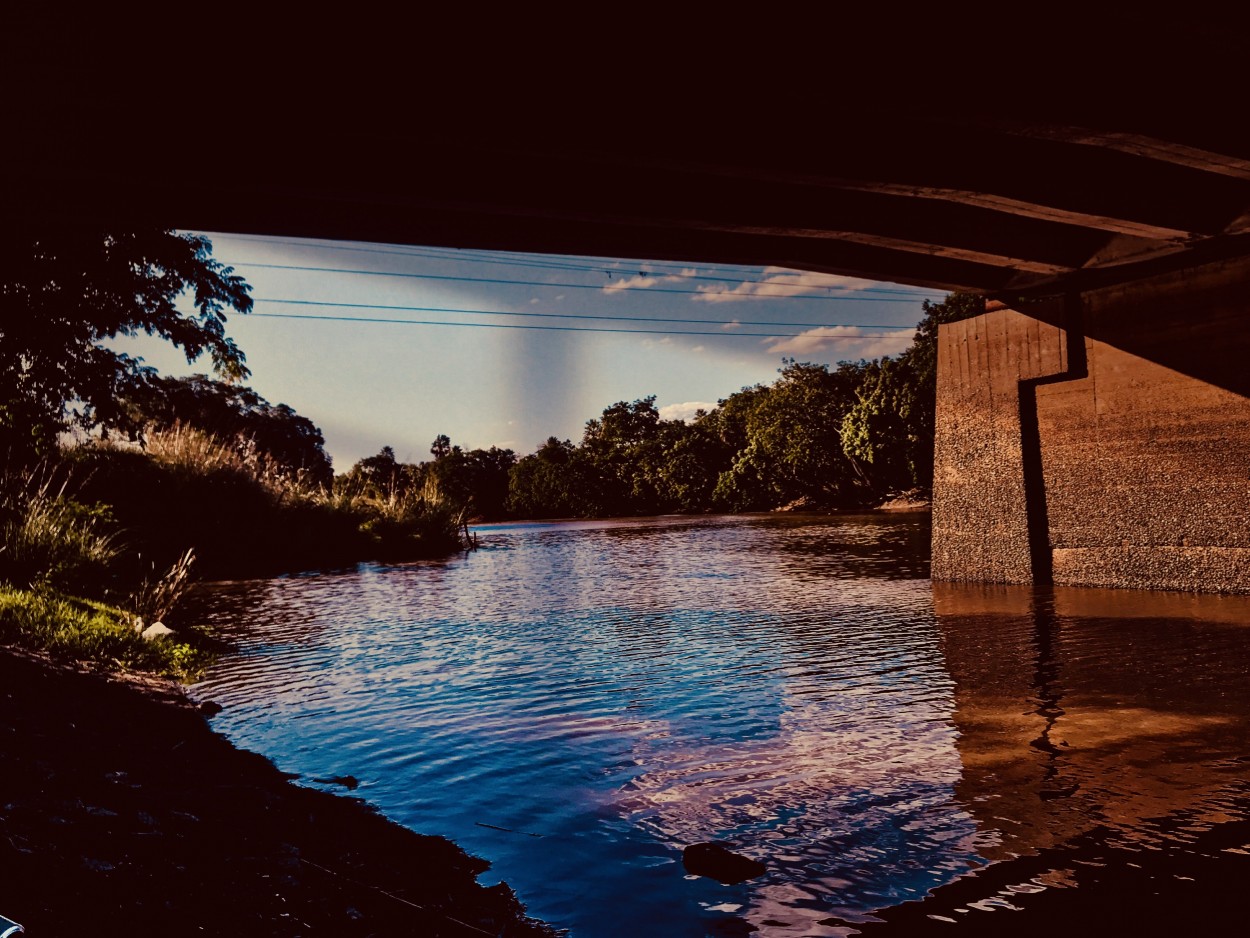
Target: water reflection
1104 742
900 756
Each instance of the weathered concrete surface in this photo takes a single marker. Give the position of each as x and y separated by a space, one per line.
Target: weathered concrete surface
980 522
1132 468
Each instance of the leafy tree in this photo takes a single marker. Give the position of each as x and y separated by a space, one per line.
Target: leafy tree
881 434
622 427
477 479
688 463
65 293
236 414
889 432
441 446
793 447
379 476
559 480
624 444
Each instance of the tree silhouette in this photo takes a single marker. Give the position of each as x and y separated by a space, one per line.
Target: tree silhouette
65 293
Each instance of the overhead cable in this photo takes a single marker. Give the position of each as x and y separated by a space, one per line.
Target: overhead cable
498 312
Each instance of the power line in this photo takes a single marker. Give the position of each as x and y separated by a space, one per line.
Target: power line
497 312
500 325
626 267
509 259
539 283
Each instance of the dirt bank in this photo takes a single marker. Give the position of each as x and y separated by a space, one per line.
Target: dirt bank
122 813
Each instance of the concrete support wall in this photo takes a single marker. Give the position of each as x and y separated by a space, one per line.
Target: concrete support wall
1100 441
980 491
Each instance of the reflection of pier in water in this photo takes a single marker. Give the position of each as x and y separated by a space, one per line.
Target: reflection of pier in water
1104 738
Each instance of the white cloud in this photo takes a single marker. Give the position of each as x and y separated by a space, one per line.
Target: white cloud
684 411
732 324
780 281
643 281
698 348
850 342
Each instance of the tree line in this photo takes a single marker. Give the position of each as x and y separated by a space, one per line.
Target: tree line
817 437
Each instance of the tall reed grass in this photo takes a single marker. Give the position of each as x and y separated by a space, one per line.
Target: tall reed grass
246 516
156 597
51 540
184 448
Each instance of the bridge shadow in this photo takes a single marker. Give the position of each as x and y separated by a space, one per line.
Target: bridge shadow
1192 323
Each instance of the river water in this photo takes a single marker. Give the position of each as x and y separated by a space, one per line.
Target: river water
578 701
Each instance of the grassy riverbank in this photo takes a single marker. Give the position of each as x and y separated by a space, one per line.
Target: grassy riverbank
243 516
81 631
123 813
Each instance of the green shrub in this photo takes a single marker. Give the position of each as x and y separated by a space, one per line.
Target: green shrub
92 633
50 540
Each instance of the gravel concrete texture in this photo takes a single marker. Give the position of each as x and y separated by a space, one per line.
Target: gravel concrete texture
1128 464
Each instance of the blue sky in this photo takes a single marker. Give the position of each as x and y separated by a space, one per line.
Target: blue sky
370 384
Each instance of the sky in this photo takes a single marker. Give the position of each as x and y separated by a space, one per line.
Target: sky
344 333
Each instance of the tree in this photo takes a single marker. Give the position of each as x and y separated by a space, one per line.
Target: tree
476 480
441 446
883 433
889 432
236 415
624 444
65 293
558 480
793 448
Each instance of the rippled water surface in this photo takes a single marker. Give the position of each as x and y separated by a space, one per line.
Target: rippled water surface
577 701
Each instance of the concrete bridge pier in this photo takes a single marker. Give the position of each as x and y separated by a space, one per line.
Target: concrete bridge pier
1099 438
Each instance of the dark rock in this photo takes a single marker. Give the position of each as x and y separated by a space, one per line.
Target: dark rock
347 781
718 863
210 708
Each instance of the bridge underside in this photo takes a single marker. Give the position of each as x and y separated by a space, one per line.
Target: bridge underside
1009 207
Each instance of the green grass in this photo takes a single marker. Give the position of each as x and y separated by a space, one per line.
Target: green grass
49 539
115 524
188 490
92 633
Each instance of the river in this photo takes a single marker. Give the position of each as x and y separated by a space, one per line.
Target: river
577 701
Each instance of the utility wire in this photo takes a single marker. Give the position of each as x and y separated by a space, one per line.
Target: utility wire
539 283
500 325
511 260
497 312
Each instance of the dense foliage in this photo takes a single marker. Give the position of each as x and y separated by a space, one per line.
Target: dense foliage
65 293
214 475
289 444
476 481
816 437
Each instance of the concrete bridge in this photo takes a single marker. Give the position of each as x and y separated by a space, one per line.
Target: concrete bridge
1092 424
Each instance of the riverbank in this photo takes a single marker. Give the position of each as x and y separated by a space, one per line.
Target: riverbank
122 812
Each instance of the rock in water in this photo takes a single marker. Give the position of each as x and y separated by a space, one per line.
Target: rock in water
720 864
347 781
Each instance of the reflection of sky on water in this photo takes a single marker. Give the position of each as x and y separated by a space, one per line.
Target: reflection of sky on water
626 688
